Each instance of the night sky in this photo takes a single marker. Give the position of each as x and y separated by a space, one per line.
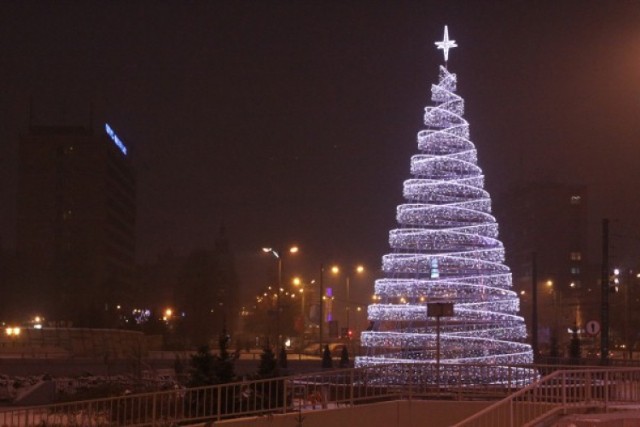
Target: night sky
294 121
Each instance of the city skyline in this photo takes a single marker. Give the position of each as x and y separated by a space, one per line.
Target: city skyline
293 123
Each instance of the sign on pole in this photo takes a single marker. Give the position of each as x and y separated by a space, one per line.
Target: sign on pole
592 327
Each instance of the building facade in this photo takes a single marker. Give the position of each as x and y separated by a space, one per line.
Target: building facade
550 219
76 224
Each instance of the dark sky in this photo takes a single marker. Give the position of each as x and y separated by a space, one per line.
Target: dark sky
294 121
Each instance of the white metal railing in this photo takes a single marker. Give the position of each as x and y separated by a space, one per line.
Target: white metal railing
561 392
288 394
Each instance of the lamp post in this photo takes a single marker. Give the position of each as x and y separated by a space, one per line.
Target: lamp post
625 326
534 303
298 283
554 334
359 269
348 309
278 256
604 294
321 321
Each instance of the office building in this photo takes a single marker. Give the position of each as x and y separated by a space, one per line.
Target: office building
550 220
76 224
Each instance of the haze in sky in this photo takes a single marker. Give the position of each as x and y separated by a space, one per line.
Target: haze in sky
294 122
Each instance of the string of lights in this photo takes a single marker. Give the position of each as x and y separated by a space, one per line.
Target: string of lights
446 249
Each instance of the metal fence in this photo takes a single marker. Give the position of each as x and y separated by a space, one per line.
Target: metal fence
562 392
296 393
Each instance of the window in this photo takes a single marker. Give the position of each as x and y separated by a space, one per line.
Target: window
575 270
575 200
576 256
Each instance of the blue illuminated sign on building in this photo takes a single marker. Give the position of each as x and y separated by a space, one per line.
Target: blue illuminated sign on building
115 139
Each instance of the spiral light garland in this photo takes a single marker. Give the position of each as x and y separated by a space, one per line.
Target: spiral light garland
446 249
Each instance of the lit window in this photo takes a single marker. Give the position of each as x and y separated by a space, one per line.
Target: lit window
575 270
575 200
576 256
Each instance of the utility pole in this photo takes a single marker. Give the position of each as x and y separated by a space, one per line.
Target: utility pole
321 320
279 304
604 304
348 308
534 303
627 340
279 257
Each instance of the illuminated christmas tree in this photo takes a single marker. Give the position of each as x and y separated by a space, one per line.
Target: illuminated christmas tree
446 250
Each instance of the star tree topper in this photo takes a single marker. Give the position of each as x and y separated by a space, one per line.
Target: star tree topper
446 44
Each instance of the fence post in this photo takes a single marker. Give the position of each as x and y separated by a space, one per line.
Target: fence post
511 420
90 412
351 374
606 391
285 403
153 410
564 392
219 396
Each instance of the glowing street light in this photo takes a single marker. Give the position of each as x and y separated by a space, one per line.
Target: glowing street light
298 283
359 269
13 331
37 322
554 294
292 250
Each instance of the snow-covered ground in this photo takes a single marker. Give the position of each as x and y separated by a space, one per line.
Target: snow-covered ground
85 386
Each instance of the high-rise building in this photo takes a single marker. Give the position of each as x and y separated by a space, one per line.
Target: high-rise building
207 292
76 223
550 220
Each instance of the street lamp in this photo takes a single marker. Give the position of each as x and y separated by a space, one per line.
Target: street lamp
297 282
552 291
12 331
277 255
321 321
359 269
554 294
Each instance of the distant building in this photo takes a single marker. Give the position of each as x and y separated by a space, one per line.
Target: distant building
157 281
549 219
8 284
201 289
76 224
208 292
